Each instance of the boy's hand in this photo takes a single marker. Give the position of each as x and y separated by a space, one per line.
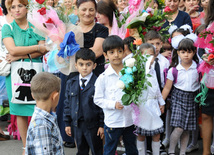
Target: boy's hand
68 130
119 106
162 108
100 132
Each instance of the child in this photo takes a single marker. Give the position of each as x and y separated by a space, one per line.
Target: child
167 50
127 47
81 115
43 135
161 64
154 38
186 85
151 123
108 96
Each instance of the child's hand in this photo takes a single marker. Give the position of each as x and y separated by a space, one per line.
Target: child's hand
119 106
100 132
68 130
162 108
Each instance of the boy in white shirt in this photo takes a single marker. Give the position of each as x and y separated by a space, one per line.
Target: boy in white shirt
118 120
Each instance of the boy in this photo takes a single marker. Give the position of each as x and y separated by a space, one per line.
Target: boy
43 135
108 96
82 117
160 64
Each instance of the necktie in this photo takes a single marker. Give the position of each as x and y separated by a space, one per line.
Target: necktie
83 83
157 69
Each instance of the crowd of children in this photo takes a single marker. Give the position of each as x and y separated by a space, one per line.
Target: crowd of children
93 111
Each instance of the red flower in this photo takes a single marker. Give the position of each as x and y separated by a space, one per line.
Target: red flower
211 56
150 14
167 9
42 11
49 21
137 42
40 1
170 40
144 33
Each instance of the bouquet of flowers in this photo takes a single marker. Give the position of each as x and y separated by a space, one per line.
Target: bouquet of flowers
150 19
59 32
133 77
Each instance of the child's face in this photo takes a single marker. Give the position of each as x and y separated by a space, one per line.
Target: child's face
176 34
186 56
157 43
204 3
148 51
126 50
85 67
115 56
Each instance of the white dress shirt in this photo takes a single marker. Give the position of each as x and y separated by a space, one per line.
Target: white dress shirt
87 78
106 95
164 63
187 80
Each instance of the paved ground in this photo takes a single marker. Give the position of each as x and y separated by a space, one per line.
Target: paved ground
14 147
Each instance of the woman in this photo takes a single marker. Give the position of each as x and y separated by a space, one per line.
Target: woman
20 40
207 111
178 17
94 33
105 12
192 9
121 5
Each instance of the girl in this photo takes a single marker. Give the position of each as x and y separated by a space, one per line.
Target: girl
173 31
186 85
150 123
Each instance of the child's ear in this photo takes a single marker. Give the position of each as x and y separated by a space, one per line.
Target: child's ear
55 95
95 65
105 55
76 65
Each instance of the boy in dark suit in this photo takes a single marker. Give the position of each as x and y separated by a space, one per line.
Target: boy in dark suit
83 119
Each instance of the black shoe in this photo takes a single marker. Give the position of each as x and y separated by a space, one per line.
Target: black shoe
4 137
70 145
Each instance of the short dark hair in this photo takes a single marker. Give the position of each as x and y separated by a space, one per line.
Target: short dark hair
147 46
79 2
128 40
152 35
85 54
112 42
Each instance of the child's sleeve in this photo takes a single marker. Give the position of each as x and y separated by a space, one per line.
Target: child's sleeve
99 96
170 75
67 110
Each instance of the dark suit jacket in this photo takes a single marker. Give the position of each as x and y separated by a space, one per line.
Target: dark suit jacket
93 115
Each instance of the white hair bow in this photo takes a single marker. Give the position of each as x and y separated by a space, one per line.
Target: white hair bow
177 39
174 27
186 27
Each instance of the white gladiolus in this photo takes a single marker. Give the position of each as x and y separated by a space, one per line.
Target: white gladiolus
120 84
130 62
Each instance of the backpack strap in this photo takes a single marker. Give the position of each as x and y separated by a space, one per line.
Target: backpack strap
175 74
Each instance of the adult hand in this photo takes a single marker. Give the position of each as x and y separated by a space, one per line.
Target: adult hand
42 49
193 9
11 58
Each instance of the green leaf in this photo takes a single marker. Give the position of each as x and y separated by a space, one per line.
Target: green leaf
125 99
149 84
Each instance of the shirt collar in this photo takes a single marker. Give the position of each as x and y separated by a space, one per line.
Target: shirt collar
193 66
110 71
45 114
88 77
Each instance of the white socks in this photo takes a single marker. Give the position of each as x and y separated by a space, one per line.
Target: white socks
142 150
141 147
155 148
